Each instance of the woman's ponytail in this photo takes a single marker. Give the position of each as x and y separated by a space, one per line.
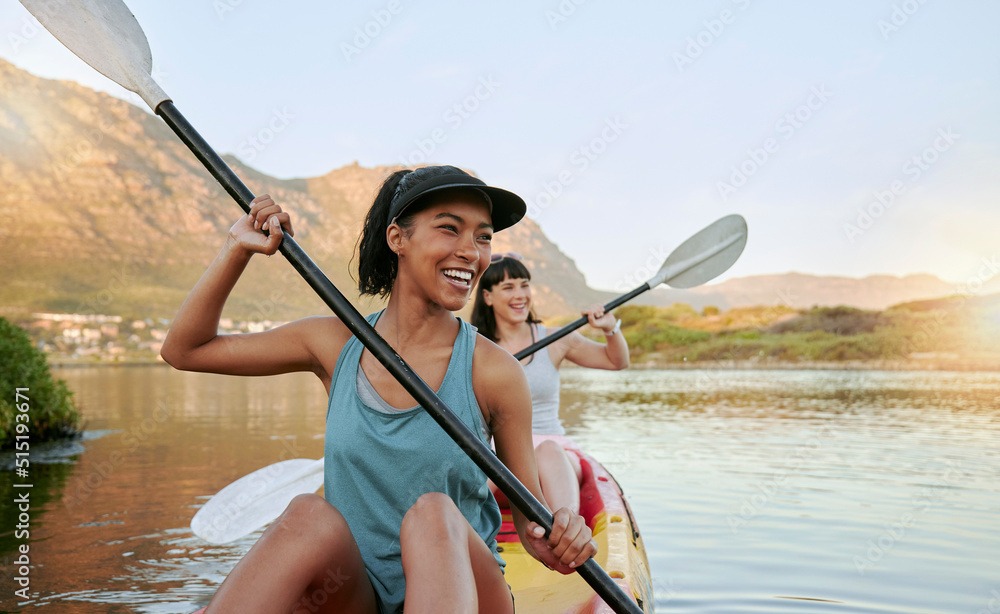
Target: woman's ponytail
377 264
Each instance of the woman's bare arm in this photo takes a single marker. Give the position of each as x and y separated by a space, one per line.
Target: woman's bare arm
192 343
501 387
612 355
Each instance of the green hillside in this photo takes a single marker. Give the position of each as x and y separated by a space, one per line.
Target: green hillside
954 330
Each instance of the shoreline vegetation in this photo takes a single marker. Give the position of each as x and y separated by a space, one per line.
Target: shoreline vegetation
958 333
928 363
34 406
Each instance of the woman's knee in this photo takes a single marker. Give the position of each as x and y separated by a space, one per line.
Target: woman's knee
549 452
311 520
433 512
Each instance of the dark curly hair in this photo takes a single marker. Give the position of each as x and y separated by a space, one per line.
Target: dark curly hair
377 264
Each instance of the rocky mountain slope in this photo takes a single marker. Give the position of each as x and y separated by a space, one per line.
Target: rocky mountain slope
106 212
802 291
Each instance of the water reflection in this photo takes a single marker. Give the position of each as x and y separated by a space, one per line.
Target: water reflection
781 491
878 490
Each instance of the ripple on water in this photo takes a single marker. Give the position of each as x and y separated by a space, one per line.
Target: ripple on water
755 491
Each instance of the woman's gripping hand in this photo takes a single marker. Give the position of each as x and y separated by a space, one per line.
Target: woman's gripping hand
265 215
568 546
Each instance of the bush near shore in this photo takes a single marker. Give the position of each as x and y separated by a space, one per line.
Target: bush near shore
51 411
956 327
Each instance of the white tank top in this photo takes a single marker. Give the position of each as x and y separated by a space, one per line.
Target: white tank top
543 380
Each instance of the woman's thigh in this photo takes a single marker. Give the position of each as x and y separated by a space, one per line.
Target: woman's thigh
306 561
441 548
492 591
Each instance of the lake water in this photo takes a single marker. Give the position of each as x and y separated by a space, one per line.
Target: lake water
756 491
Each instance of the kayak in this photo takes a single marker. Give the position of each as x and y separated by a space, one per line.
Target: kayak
620 550
621 554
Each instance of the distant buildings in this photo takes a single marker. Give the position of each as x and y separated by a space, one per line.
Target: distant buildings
73 337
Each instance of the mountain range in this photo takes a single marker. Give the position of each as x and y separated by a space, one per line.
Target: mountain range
105 211
802 291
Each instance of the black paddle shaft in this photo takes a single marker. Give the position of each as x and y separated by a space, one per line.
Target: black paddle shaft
575 324
598 579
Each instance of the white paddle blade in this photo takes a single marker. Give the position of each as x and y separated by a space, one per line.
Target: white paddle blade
704 256
256 499
104 34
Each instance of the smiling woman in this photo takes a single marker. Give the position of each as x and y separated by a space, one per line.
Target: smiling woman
398 496
379 262
502 311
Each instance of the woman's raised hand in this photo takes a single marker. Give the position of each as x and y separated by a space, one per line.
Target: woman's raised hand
568 546
597 318
265 215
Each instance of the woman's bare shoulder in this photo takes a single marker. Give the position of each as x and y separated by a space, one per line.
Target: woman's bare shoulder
326 337
501 388
494 368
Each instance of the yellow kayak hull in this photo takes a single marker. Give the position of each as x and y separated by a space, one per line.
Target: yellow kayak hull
538 590
620 551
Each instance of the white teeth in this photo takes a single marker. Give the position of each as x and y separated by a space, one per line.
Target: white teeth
463 275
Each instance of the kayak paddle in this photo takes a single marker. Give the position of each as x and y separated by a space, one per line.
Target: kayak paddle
256 499
106 35
701 258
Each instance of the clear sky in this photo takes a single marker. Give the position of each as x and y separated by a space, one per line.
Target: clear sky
856 137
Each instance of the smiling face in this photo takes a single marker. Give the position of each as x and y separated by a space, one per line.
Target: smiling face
444 252
510 299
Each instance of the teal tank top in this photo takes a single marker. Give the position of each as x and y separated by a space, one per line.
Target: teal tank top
377 464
